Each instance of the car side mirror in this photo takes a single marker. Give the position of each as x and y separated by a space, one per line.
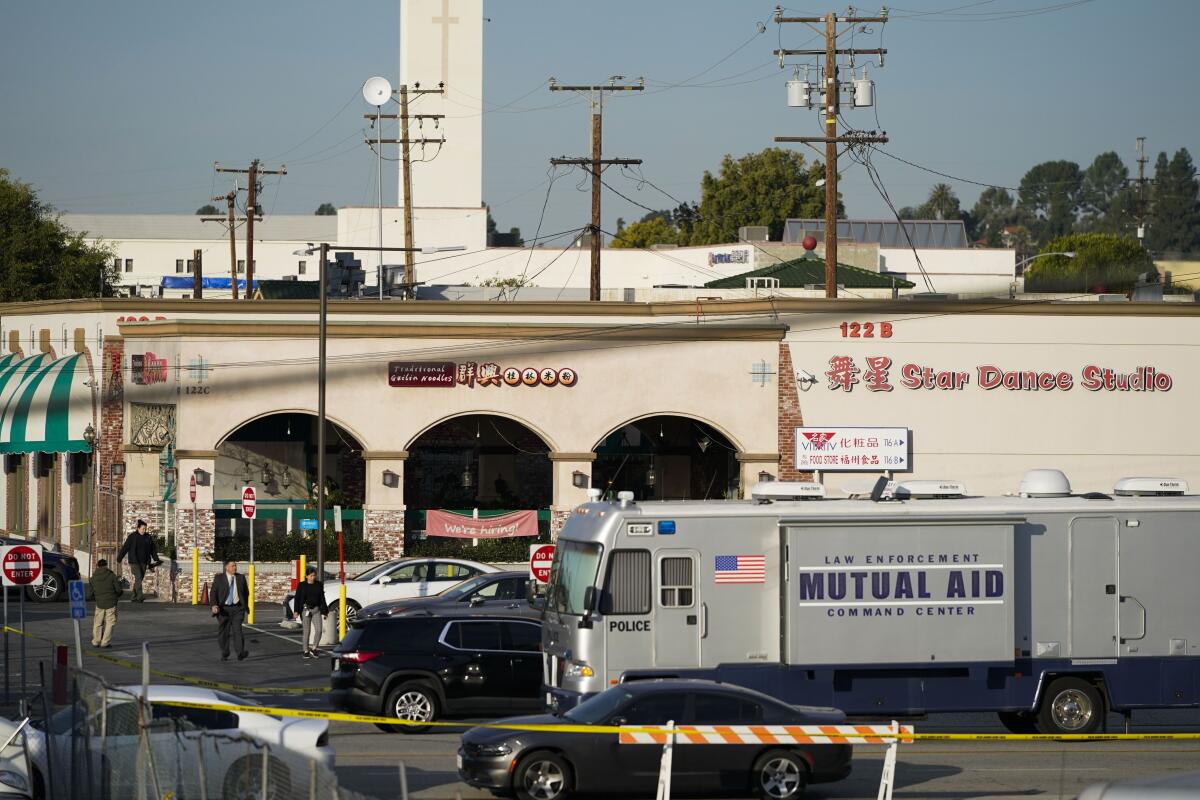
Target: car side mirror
589 605
617 722
476 600
386 579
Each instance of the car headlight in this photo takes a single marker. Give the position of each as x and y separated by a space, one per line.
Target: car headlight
492 750
14 779
574 669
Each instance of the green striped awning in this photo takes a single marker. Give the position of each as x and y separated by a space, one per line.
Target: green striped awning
45 404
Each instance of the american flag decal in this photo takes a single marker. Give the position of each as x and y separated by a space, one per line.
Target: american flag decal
740 569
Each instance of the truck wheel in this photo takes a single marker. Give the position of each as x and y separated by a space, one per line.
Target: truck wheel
779 775
1071 705
1018 721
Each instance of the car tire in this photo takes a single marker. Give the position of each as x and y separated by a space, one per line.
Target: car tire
1071 705
779 775
52 589
542 775
243 781
352 609
1018 721
413 701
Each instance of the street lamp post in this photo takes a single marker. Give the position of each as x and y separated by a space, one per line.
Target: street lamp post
1023 262
322 336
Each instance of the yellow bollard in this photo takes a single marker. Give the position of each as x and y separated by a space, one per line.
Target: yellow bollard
342 612
250 581
303 565
195 576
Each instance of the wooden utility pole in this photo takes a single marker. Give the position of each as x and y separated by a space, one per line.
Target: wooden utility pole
406 143
231 225
1142 182
252 188
197 275
596 164
830 89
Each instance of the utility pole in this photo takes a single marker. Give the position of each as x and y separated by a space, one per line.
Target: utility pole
831 105
406 143
231 225
1142 181
197 274
252 188
596 164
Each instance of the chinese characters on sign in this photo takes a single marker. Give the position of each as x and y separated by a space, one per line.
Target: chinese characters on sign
843 374
852 449
472 374
147 369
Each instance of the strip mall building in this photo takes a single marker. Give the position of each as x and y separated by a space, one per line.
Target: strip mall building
504 406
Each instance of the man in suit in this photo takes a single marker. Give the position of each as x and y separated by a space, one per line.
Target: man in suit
230 597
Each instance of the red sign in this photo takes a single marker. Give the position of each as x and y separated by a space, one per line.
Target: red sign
192 488
540 558
456 526
148 369
249 501
22 564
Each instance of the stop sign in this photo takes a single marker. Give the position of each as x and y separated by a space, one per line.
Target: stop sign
192 488
22 564
540 558
248 502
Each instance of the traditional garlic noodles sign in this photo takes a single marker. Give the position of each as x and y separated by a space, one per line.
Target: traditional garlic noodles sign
879 374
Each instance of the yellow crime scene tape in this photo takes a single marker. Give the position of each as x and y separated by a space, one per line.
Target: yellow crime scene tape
175 676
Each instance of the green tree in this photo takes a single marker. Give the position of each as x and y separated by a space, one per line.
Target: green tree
1049 192
1175 202
40 259
1103 262
992 213
647 232
207 209
1104 196
942 203
764 188
326 210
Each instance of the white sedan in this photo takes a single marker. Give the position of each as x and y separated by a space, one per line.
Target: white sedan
401 579
226 746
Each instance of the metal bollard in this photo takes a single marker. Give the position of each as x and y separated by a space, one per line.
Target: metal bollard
59 676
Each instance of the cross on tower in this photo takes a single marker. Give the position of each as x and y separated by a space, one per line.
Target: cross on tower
445 20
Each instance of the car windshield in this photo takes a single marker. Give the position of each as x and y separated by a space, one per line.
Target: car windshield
600 708
572 572
466 587
374 571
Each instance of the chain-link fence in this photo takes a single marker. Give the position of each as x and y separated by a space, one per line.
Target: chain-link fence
108 743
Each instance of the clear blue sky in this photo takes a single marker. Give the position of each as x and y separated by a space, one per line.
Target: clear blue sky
123 106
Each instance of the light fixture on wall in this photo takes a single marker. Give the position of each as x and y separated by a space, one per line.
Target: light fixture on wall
285 478
391 479
704 443
765 477
468 477
268 475
89 436
169 475
117 469
202 477
247 475
579 480
651 475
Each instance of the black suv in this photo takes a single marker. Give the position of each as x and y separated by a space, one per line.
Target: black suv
57 569
421 668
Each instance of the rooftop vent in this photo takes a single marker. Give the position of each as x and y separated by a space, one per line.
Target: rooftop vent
1045 483
929 490
767 491
1150 487
625 498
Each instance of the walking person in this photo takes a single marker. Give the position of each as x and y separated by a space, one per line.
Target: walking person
230 597
311 607
104 589
143 555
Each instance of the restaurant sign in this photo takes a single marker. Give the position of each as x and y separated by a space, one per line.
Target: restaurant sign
147 369
447 374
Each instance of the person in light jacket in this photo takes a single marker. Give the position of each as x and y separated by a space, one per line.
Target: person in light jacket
104 589
311 607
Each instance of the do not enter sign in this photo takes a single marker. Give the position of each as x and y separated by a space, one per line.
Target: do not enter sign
21 564
540 558
249 502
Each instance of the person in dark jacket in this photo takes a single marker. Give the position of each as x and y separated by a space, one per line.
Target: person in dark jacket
143 555
311 607
230 597
104 589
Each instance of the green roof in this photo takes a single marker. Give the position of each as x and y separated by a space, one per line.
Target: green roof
809 270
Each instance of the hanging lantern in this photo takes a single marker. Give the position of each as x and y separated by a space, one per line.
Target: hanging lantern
651 475
468 477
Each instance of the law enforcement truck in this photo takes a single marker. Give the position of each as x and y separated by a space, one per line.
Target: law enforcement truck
1048 607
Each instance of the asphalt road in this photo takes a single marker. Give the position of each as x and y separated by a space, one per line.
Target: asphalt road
183 640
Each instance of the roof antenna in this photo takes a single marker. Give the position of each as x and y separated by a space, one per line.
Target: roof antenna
878 489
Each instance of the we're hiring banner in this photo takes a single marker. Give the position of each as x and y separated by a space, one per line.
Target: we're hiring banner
456 526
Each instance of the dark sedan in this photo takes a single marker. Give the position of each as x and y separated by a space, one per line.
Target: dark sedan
545 765
490 593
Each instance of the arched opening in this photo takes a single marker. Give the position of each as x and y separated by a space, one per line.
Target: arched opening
277 455
476 464
667 457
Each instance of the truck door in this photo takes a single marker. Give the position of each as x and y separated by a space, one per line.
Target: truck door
1094 593
678 614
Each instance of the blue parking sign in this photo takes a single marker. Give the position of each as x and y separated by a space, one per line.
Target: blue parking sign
75 590
308 524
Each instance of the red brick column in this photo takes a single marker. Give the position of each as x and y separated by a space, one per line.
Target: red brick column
790 418
112 410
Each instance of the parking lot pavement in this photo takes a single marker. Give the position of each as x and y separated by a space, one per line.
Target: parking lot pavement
183 640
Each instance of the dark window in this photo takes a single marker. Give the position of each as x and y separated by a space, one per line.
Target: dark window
452 572
129 265
302 267
512 589
191 266
116 263
408 573
677 582
205 719
627 585
241 266
656 709
721 709
178 265
524 637
479 635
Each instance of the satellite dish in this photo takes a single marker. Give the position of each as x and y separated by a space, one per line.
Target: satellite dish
377 91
